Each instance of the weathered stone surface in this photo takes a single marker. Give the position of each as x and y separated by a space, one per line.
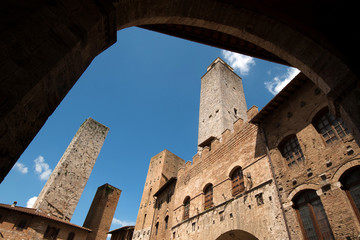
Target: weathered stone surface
63 189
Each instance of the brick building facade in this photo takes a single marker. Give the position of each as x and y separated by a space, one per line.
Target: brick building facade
290 171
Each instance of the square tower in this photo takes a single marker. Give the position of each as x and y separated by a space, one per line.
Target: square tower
222 101
61 193
162 168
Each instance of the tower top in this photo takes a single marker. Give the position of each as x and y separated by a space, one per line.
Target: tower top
222 101
219 60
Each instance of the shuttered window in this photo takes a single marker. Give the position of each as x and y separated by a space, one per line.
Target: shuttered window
208 196
186 208
237 180
312 217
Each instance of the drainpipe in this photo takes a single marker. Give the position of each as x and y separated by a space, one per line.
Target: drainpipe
275 181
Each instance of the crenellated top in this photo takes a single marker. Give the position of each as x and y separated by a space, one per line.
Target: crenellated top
240 127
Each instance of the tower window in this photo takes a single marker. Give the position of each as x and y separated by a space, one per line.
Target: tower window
208 192
186 208
166 222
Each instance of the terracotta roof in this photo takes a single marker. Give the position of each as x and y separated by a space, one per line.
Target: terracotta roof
34 212
122 228
280 98
173 179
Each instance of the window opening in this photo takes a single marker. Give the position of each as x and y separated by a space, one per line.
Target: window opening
166 222
351 185
237 180
186 208
208 196
291 151
312 217
51 233
330 127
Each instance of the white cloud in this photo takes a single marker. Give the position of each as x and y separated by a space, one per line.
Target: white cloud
30 202
42 168
116 221
239 62
279 82
21 168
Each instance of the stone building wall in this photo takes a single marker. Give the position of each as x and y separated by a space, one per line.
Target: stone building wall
256 211
324 163
62 191
163 214
162 167
36 225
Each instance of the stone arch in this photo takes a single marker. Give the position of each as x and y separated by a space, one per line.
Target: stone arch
301 188
343 168
36 83
262 30
236 234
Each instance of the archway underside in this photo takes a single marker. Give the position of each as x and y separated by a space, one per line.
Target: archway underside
215 39
236 235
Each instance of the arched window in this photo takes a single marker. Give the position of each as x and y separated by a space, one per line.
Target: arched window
208 192
156 228
237 181
330 127
186 208
313 220
291 150
166 221
351 184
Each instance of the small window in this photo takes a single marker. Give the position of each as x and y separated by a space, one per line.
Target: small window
166 222
330 127
291 150
156 228
51 233
21 225
208 192
237 181
71 236
186 208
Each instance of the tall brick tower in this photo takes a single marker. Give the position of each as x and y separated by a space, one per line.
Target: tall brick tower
222 101
62 191
163 166
102 211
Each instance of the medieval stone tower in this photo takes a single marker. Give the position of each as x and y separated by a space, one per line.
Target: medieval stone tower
62 191
222 101
101 212
163 166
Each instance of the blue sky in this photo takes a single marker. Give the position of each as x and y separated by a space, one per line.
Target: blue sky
146 89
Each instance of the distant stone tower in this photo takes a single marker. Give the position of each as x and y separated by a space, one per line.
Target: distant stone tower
222 101
101 212
62 191
163 166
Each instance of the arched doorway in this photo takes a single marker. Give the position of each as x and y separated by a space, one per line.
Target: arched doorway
39 69
236 234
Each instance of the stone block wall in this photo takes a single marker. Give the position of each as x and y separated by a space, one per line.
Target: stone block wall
62 191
